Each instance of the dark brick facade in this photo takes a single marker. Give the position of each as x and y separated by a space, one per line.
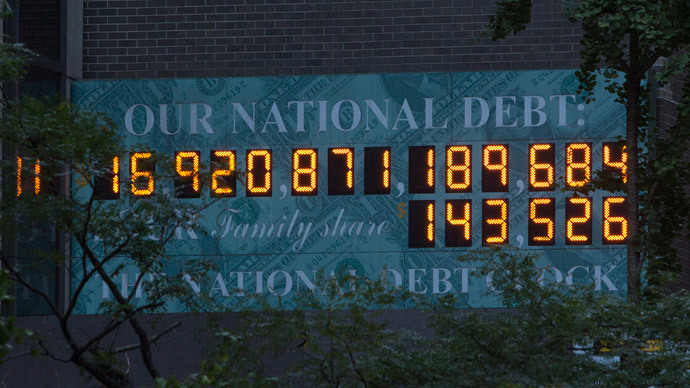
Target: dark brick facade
39 26
173 38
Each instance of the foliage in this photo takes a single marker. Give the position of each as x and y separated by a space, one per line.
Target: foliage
58 144
9 331
628 37
555 336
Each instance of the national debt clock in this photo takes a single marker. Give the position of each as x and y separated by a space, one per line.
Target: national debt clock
393 175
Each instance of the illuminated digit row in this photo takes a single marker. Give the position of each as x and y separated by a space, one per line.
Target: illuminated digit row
377 170
615 156
542 214
615 228
459 169
37 177
223 177
495 168
187 174
141 172
459 223
421 170
494 221
578 164
421 225
304 172
578 224
259 166
542 159
341 171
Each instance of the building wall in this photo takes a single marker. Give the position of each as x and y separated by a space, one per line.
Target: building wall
130 39
214 38
39 26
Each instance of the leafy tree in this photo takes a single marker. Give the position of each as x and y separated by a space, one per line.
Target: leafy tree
630 36
555 335
55 142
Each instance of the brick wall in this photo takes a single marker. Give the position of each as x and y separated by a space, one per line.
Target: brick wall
39 26
173 38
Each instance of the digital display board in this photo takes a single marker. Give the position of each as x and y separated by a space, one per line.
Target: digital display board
391 175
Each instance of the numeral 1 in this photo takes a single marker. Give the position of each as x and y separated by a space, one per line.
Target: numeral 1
421 225
106 183
377 170
421 170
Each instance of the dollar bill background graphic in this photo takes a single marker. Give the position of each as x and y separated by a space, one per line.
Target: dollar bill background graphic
341 238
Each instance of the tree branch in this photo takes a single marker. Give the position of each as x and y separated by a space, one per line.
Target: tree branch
153 339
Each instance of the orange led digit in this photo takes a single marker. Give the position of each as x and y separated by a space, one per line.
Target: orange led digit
430 219
341 171
495 221
542 158
116 175
141 180
106 182
421 224
187 178
615 228
421 169
19 176
542 212
430 170
386 168
223 180
578 226
614 150
377 170
304 167
495 168
578 164
458 172
37 177
458 223
258 173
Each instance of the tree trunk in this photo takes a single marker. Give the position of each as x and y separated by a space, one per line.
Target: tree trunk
632 108
105 374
